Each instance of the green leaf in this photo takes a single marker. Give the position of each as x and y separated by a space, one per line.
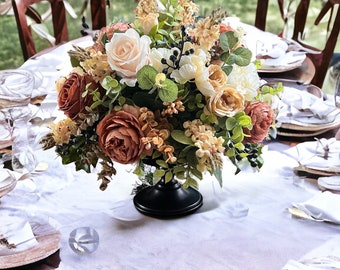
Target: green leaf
230 123
169 91
244 120
178 169
228 40
241 57
197 173
227 69
109 83
146 77
162 163
179 136
218 175
238 135
168 176
159 173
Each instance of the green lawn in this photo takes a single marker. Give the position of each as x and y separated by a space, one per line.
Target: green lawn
10 50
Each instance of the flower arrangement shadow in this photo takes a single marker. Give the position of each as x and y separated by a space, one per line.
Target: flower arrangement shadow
173 89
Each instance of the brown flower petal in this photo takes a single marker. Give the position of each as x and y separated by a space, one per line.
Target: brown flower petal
70 99
120 137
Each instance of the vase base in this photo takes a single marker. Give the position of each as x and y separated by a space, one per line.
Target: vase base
169 200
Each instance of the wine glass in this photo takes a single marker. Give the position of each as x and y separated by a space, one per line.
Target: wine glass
16 88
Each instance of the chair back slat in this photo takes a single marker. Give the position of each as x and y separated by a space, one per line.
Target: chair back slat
321 61
22 8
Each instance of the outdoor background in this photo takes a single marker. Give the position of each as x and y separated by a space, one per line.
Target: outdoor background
10 50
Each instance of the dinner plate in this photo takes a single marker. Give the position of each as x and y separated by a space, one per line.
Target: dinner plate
331 183
282 68
47 245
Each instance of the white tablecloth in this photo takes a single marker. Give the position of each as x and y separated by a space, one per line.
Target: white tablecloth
244 225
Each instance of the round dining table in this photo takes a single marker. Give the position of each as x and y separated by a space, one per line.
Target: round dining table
245 224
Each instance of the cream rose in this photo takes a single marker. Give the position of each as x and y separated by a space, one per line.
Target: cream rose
226 102
148 21
127 53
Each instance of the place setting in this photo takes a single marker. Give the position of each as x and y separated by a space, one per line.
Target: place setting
304 112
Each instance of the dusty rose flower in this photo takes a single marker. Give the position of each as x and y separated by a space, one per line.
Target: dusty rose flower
226 102
225 28
70 99
120 137
262 117
127 53
109 32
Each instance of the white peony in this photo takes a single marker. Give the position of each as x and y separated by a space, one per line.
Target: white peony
245 80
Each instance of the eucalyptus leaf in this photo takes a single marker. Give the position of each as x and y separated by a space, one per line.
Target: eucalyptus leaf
146 77
241 56
179 136
159 173
169 91
230 123
228 40
218 175
168 176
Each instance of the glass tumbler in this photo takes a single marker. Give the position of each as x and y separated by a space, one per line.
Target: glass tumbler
16 88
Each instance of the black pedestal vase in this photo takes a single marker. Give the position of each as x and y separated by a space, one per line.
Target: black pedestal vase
168 200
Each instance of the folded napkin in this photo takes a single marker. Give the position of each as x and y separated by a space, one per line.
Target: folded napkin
300 107
326 256
15 232
324 206
322 154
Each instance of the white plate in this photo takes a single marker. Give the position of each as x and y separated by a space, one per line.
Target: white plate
330 182
125 211
272 68
47 245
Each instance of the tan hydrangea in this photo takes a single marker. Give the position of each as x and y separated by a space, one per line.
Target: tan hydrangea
188 11
146 7
209 146
156 134
97 66
63 130
206 33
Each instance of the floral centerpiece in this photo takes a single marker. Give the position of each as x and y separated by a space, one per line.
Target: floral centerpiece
172 90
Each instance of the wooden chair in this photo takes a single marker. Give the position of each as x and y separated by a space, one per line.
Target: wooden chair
321 61
98 15
22 8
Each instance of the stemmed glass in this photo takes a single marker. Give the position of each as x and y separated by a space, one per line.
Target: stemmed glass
16 88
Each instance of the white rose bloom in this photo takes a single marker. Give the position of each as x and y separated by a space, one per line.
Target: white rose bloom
127 53
246 80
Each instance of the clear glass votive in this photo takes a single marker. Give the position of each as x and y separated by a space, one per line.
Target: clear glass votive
84 240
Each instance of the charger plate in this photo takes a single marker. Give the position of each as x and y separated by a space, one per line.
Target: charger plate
47 245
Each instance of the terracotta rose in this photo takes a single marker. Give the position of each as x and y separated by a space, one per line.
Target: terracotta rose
70 99
262 118
120 137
